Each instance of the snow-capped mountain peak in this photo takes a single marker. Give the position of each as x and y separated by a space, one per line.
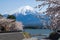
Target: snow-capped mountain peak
25 9
28 8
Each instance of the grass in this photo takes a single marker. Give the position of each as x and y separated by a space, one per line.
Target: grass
26 35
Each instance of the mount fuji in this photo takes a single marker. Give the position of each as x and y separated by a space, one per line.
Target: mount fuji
30 17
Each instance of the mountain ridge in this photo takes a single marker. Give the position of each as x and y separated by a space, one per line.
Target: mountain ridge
29 17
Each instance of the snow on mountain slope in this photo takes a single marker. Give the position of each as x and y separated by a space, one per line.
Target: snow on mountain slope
23 10
29 16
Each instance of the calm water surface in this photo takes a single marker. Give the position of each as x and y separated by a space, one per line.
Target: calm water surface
39 31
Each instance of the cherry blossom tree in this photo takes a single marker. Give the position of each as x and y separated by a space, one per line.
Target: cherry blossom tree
53 11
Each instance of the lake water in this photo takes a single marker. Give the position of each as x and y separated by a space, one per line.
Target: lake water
39 31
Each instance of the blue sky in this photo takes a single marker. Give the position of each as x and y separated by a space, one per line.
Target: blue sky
7 6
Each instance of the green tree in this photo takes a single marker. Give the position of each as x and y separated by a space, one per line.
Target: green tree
1 15
11 17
